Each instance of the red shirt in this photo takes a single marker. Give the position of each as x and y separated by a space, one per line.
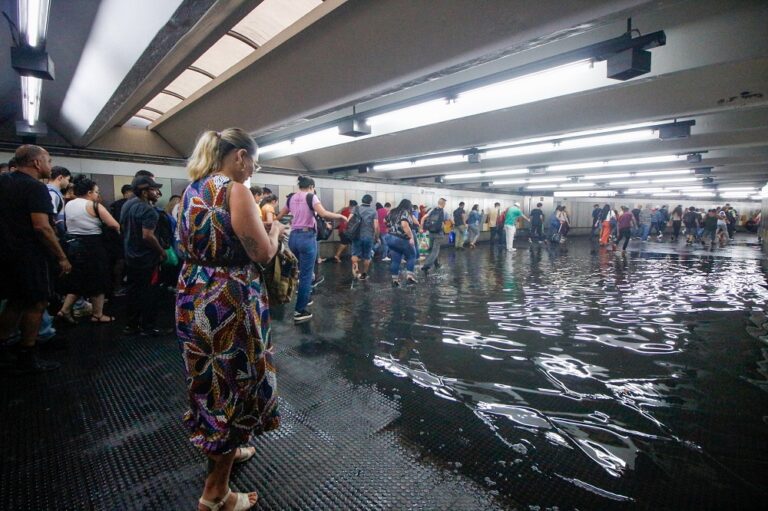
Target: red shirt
343 223
383 212
625 220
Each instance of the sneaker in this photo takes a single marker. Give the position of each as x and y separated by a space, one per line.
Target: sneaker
410 281
301 316
363 276
437 265
386 259
395 283
319 280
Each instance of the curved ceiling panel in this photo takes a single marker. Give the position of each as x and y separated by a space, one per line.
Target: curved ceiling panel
163 102
227 52
187 83
272 17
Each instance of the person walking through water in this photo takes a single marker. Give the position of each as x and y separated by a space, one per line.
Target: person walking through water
510 224
459 226
401 241
222 312
625 222
432 222
606 215
303 239
537 222
677 221
473 225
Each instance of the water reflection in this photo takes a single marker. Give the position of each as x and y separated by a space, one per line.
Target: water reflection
579 356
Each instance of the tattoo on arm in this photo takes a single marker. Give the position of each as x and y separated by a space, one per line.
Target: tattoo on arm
250 245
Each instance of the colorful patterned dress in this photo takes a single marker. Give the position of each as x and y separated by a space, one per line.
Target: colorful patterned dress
222 321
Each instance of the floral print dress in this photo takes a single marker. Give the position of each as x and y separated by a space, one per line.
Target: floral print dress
222 322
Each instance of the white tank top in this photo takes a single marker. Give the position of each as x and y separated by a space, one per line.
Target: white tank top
79 222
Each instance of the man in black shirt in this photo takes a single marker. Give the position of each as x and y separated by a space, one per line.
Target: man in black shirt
117 207
29 251
537 221
459 226
143 254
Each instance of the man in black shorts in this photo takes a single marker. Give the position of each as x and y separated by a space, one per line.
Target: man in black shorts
30 252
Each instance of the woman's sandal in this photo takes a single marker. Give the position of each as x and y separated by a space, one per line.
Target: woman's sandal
244 454
67 316
102 319
242 503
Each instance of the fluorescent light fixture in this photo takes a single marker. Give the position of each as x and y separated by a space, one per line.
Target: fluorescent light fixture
756 197
653 181
614 138
33 20
31 90
606 176
530 181
587 193
644 191
440 160
617 163
647 160
577 185
393 166
519 150
735 195
737 189
495 173
678 172
277 146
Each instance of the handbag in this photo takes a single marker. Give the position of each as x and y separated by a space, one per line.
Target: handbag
281 275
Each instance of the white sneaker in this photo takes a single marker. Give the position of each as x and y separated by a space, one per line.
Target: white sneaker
386 259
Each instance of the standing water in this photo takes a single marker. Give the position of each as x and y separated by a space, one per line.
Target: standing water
572 377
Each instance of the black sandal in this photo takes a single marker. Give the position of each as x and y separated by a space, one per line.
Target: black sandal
103 319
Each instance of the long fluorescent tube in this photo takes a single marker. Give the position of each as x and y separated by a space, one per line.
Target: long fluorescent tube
735 195
33 20
596 193
617 163
519 150
615 138
31 90
529 181
581 184
653 181
422 162
495 173
737 189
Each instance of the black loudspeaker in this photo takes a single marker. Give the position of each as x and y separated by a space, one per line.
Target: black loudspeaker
628 64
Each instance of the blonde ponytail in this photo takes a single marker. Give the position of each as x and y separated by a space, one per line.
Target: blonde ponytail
213 146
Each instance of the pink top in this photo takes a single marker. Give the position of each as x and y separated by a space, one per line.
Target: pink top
382 213
302 216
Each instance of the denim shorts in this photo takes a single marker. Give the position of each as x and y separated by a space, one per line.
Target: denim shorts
362 248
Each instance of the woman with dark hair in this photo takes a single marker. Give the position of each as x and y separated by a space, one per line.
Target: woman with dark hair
303 239
401 241
90 277
222 312
606 215
677 221
268 208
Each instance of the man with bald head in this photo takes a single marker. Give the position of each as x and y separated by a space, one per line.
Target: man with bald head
29 251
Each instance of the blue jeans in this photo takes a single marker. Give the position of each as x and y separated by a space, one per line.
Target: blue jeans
645 229
400 248
362 248
383 249
304 245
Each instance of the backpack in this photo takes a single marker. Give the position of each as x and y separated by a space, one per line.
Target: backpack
501 218
164 229
354 225
434 221
323 231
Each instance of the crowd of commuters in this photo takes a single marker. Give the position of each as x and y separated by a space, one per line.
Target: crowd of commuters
211 244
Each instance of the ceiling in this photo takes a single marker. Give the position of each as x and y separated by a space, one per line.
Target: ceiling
308 67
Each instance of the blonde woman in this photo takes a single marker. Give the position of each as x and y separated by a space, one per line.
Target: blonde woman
222 313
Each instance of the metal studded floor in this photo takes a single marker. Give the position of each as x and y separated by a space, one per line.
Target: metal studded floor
104 433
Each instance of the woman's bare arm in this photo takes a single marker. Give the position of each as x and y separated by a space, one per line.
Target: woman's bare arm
260 245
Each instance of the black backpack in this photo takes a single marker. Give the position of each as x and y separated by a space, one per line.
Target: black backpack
434 221
164 229
354 225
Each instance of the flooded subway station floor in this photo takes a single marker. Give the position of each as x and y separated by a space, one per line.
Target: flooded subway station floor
567 377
